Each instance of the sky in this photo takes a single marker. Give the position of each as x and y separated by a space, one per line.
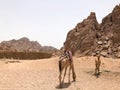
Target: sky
47 21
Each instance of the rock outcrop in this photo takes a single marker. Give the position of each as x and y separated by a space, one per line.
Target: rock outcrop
81 38
109 33
89 37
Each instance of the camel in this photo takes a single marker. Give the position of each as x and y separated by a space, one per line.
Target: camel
97 65
64 63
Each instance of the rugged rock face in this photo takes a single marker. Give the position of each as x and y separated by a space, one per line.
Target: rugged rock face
110 33
111 25
25 45
89 37
82 37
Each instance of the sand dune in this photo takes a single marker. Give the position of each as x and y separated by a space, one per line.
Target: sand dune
43 75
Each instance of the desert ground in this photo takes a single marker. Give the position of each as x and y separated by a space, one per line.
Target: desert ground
42 74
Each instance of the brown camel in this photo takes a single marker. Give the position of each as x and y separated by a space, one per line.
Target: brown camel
64 63
97 66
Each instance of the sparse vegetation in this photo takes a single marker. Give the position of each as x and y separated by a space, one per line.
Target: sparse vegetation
24 55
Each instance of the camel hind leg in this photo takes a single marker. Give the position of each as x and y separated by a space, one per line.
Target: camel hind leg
64 74
60 80
74 75
97 66
62 65
60 75
73 71
69 75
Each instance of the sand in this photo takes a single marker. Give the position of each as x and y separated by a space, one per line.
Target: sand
43 74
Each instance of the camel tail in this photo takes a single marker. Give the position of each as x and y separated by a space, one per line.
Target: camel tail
60 66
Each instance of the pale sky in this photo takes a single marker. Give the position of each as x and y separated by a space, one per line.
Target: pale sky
47 21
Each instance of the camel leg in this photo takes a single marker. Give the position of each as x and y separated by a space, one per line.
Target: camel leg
96 67
99 62
60 77
99 66
95 71
73 72
69 74
64 74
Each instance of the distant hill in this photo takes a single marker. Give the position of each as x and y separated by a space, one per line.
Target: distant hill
25 45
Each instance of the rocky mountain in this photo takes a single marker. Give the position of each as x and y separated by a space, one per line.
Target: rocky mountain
25 45
89 37
82 36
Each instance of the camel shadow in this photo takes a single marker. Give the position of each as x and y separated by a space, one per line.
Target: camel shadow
64 85
97 75
93 73
104 73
